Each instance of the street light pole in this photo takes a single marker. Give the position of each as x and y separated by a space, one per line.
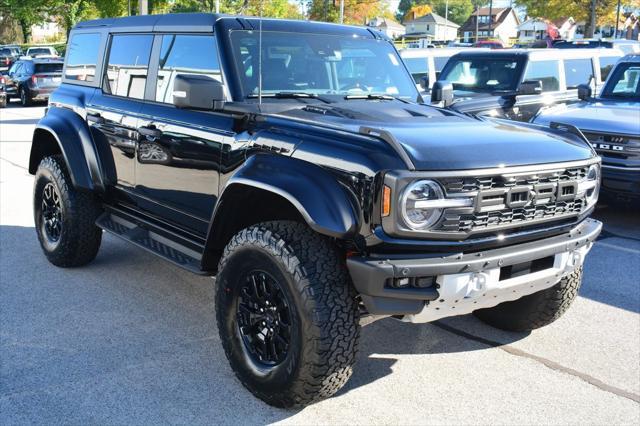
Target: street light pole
143 7
617 19
341 11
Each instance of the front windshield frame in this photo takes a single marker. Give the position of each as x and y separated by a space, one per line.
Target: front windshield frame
406 91
614 79
520 63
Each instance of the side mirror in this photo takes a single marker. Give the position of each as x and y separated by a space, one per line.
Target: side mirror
584 92
442 92
530 87
424 82
198 92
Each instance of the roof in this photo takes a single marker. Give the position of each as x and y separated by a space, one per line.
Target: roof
485 11
384 22
205 22
543 54
500 14
435 18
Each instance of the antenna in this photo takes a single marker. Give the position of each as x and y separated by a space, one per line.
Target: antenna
260 56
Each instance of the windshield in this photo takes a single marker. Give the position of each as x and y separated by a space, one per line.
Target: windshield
482 74
54 67
624 83
39 51
320 64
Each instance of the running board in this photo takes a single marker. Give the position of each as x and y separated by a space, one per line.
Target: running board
151 241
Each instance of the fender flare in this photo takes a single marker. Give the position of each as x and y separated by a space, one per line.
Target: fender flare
74 140
327 207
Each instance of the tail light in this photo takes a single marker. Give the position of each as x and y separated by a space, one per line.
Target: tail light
7 61
35 77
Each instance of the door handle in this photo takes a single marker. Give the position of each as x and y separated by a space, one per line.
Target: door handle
95 118
150 131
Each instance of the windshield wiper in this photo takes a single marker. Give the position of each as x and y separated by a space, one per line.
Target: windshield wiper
292 95
376 97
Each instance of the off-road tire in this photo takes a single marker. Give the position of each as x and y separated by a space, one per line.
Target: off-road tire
79 238
324 309
25 98
535 310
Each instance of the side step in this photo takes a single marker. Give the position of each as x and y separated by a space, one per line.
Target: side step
149 240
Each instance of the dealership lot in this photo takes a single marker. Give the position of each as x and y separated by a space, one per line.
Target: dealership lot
132 339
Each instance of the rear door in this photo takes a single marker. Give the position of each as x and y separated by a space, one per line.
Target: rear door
114 110
179 150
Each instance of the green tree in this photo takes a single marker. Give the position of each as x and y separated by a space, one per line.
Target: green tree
26 13
459 10
355 11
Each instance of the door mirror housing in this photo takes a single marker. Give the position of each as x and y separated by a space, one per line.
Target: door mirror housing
442 92
198 92
530 87
424 82
584 92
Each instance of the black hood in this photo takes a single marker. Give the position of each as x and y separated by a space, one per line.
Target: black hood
437 139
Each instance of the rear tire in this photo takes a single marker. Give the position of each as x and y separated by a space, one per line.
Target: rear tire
535 310
311 325
64 217
25 98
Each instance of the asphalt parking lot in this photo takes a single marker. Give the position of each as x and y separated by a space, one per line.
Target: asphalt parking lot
131 339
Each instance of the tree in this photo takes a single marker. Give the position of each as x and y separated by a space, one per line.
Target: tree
417 11
459 10
26 13
272 8
355 11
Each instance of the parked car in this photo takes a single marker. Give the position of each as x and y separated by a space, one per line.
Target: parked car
324 191
515 84
3 91
611 122
582 44
33 80
490 44
40 51
8 55
425 65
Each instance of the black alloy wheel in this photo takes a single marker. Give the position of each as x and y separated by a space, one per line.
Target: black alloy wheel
51 212
264 319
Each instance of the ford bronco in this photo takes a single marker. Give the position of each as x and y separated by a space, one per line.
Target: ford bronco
296 162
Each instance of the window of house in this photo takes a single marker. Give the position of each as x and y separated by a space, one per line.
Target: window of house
185 54
548 72
127 69
578 71
82 57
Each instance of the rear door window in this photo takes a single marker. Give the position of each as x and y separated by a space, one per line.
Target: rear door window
578 71
606 65
47 68
127 69
82 57
548 72
185 54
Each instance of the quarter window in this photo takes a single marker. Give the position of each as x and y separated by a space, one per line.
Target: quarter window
578 71
547 72
127 69
185 54
82 57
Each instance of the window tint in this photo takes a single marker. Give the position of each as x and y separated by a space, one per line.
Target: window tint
624 84
54 67
128 65
606 64
82 56
185 54
578 71
418 67
547 72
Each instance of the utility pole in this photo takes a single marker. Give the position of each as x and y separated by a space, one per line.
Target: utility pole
446 20
217 6
617 19
341 11
143 7
477 20
491 18
592 22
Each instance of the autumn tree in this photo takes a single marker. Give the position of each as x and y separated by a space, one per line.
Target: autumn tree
355 11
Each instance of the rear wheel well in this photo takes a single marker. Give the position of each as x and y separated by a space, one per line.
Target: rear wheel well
241 207
44 145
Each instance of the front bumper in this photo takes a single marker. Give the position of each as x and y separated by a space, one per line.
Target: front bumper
619 180
463 283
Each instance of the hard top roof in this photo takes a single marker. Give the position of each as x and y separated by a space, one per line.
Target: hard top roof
205 22
541 54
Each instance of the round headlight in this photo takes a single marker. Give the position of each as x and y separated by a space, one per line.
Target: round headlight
593 175
416 211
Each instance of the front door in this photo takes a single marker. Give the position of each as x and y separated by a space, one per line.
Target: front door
179 150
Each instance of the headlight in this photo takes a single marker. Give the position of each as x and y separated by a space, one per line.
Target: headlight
420 204
590 185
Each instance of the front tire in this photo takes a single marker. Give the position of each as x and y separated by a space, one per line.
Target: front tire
64 217
287 313
535 310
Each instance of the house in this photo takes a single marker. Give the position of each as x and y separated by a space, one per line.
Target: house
538 28
46 32
502 25
389 27
432 27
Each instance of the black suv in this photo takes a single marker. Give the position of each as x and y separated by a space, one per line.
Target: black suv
32 80
293 161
